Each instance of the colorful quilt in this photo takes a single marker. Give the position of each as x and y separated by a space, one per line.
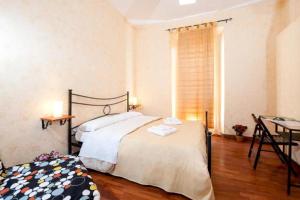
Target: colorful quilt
63 178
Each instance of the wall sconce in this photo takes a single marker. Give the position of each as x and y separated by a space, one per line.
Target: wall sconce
133 103
57 115
57 109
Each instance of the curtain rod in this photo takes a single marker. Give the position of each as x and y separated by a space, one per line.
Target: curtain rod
218 21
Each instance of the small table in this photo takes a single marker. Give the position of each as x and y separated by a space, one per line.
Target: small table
293 127
46 121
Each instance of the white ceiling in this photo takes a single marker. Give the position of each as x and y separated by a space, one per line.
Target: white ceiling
147 11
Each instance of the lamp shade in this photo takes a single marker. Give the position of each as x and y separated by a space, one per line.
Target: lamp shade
57 108
133 101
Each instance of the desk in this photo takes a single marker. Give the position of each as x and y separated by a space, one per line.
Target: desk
293 127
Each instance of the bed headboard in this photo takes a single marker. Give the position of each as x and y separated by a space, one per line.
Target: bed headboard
105 103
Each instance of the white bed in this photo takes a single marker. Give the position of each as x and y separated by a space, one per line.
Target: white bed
122 146
176 163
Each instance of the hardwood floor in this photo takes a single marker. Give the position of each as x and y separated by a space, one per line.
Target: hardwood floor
233 178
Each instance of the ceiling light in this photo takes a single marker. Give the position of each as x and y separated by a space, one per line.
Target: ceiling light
186 2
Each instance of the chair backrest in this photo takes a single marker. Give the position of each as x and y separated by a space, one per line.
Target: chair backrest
255 118
265 130
257 124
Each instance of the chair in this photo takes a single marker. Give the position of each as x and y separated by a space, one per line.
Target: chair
254 136
274 140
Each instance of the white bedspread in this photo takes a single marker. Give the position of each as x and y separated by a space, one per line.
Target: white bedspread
103 144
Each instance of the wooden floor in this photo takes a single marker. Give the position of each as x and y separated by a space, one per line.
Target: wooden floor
233 178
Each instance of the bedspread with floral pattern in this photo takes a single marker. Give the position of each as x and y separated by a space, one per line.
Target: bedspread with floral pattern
63 178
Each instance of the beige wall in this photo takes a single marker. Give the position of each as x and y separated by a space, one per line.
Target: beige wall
47 47
249 72
130 35
153 72
50 46
288 63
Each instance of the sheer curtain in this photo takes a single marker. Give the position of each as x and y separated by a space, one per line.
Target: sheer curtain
194 62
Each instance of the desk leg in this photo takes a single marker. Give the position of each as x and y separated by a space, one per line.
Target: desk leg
289 163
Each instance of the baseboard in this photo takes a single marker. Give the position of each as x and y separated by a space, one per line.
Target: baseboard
246 138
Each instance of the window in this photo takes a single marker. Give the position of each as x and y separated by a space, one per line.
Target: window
193 62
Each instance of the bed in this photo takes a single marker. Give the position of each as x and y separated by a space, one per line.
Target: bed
62 178
178 163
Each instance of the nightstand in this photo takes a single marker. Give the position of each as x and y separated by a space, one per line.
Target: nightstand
46 121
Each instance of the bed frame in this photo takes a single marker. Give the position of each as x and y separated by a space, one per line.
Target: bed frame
106 104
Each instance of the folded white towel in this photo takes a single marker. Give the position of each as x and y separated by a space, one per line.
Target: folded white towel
172 121
162 130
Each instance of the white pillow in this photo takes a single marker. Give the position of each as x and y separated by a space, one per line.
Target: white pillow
106 121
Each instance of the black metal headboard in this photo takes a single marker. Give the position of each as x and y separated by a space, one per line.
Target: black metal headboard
208 135
106 104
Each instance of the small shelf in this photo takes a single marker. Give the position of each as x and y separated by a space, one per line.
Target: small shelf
46 121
